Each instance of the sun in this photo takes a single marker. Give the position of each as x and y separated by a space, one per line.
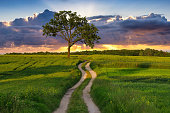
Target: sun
109 47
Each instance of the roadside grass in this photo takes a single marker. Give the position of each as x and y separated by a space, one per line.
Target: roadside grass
34 84
83 66
77 104
131 84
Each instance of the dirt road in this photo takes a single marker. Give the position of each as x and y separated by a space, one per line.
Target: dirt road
66 98
92 108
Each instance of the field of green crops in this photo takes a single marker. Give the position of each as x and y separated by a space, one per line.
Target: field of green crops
35 84
125 84
128 84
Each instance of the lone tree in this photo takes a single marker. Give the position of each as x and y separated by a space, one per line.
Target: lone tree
72 28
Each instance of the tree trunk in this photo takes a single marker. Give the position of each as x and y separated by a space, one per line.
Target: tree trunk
68 51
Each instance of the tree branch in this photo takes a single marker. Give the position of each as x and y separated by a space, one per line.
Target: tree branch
75 41
64 36
66 29
70 34
61 36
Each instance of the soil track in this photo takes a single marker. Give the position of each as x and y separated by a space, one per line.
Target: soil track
92 108
66 98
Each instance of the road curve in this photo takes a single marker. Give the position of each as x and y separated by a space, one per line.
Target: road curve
92 108
66 98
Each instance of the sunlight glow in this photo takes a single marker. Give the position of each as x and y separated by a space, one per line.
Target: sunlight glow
7 24
112 47
110 20
130 18
95 19
109 47
34 16
53 48
83 8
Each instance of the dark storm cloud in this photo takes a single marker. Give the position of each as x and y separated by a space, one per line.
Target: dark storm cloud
145 24
40 19
101 16
1 24
23 36
153 29
26 31
18 36
19 22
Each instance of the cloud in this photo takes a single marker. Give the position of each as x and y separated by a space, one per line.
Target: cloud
19 22
26 31
150 22
153 29
1 24
150 29
40 19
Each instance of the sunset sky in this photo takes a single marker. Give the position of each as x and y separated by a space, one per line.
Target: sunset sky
123 24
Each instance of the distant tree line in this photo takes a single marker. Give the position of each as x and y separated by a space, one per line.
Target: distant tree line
123 52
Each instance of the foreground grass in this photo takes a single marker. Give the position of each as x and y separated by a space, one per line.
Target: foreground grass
34 84
131 84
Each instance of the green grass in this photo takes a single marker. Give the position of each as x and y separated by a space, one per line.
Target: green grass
131 84
34 84
125 84
83 65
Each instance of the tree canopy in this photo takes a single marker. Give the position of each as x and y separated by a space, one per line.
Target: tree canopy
73 28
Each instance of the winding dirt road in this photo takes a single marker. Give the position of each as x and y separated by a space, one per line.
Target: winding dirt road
66 98
92 108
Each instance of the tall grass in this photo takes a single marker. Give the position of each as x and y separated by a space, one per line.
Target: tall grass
127 84
34 84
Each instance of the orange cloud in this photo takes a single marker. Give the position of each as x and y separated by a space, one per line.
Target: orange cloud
138 46
60 48
7 24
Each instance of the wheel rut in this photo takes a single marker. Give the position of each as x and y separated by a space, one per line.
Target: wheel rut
92 108
66 98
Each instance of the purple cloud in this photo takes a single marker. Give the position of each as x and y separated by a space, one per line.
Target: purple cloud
153 29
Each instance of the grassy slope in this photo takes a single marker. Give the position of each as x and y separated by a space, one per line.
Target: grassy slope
33 84
131 84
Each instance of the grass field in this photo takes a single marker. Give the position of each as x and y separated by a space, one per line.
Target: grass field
34 84
125 84
128 84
